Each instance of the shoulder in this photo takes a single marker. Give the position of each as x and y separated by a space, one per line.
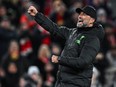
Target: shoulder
90 38
92 41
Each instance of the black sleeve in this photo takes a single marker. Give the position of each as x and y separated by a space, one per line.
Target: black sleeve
50 26
87 56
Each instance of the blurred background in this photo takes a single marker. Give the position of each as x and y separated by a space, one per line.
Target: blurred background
26 48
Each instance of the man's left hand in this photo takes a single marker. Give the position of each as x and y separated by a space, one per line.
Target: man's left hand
55 59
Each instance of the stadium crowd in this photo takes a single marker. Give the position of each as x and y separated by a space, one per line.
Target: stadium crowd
26 48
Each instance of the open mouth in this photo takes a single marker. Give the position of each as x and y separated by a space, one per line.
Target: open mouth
80 20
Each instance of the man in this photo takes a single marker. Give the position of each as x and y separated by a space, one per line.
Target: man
81 47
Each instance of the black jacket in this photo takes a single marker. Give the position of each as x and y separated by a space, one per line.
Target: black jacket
81 48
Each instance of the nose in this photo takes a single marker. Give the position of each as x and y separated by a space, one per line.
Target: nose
79 17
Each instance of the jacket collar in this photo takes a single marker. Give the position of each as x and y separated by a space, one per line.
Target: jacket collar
84 29
95 30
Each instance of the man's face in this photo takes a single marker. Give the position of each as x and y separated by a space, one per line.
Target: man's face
84 20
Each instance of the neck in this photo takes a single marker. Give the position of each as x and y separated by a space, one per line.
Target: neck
90 25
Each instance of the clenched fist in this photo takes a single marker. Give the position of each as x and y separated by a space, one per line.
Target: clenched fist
55 59
32 11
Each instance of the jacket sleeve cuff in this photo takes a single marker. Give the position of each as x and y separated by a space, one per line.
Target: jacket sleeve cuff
39 18
62 60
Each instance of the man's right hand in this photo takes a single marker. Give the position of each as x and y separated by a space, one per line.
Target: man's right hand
32 11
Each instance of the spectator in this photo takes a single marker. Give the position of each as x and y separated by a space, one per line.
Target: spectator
42 59
111 57
13 55
3 12
26 81
13 10
6 34
59 14
101 64
11 77
49 76
2 75
95 81
109 39
110 80
35 75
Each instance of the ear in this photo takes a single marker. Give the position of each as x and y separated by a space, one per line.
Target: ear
92 20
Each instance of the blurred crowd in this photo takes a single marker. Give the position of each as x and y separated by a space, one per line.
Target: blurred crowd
26 48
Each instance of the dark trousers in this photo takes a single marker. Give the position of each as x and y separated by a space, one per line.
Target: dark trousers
60 84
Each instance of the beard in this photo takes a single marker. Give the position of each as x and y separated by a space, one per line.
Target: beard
80 23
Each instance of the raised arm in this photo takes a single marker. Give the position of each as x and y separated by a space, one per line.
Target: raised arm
47 24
